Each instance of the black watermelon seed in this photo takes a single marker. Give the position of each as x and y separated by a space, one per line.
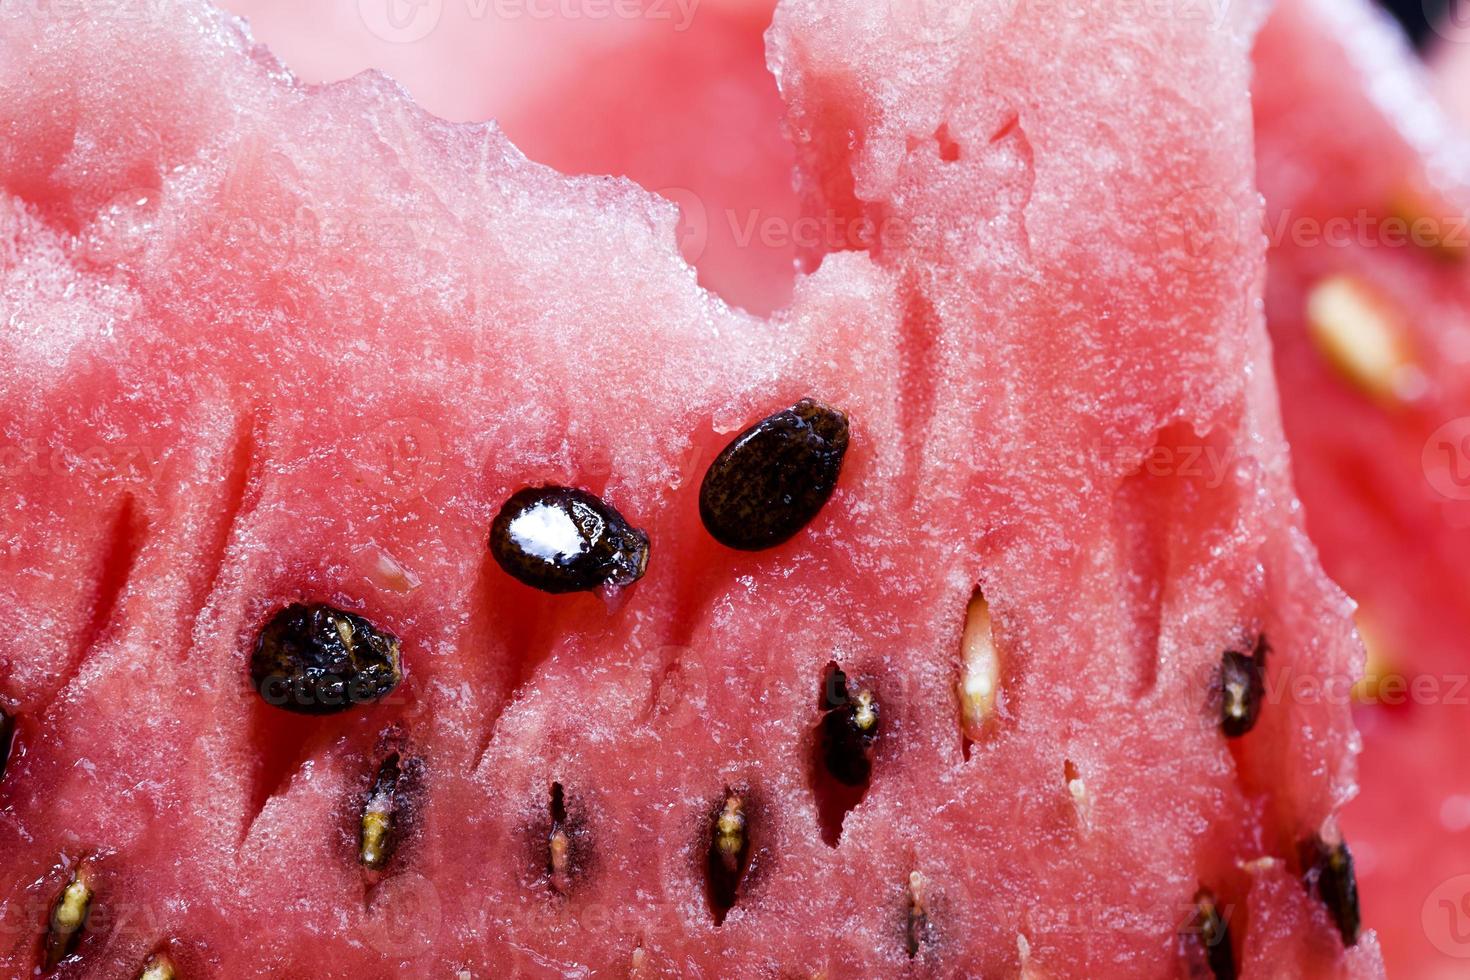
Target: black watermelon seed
1211 945
559 539
729 853
1242 689
68 917
849 731
318 660
7 739
1327 871
378 827
775 477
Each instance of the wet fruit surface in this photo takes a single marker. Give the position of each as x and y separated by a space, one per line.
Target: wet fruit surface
7 739
319 660
560 539
775 477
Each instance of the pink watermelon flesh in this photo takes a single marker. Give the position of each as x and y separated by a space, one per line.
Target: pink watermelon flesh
239 380
677 98
1346 131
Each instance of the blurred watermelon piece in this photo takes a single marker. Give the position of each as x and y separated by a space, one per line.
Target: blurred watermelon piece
272 344
1368 197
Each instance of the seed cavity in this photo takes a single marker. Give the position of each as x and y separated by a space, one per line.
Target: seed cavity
729 853
318 660
560 539
1364 337
559 844
69 916
1208 945
160 966
917 928
1327 872
378 829
775 477
1242 689
7 739
979 681
846 735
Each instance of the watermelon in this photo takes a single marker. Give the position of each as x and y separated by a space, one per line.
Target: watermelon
1369 328
370 598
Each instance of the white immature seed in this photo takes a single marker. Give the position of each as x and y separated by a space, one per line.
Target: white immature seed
979 682
1365 339
159 967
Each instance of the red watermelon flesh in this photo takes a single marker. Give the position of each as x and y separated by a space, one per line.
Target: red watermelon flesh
275 343
671 93
1347 133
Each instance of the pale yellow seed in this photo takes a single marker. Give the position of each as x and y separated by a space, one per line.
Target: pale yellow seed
865 712
979 682
1364 337
68 916
158 967
730 831
377 825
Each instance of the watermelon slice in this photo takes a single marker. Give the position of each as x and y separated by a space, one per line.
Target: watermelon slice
1368 191
1037 689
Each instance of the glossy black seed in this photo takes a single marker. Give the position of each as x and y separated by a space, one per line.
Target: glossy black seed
1327 871
1242 689
378 826
848 732
1211 951
68 919
775 477
7 739
729 853
559 539
317 660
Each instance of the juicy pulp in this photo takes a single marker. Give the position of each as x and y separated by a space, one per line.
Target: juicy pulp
271 343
